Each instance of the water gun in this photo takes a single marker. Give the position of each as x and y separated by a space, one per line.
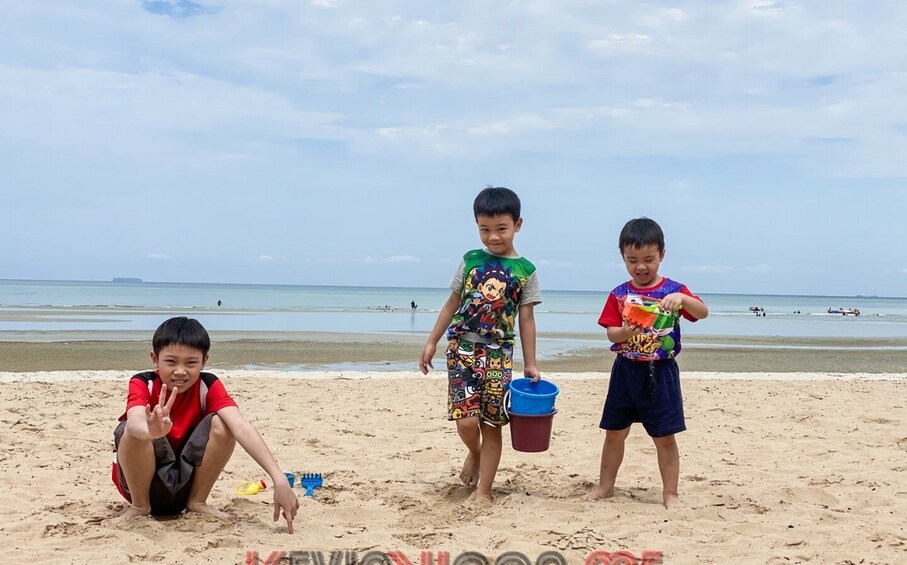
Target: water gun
648 314
251 487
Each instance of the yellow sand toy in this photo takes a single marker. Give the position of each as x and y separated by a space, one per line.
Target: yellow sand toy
248 488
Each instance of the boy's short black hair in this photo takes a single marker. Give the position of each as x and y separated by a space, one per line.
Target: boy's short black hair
640 232
497 200
181 331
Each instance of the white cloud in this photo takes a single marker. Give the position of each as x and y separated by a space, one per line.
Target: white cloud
157 256
93 103
516 125
265 258
618 39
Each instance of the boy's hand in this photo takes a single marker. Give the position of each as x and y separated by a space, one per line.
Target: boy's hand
285 503
672 302
159 422
632 329
428 353
532 373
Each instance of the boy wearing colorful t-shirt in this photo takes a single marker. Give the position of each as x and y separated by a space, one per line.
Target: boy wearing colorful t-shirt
492 288
645 380
179 430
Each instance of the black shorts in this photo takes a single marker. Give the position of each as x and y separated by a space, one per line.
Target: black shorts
172 480
647 392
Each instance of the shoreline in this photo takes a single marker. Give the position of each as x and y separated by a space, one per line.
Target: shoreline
561 353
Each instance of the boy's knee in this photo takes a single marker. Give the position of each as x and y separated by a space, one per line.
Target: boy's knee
612 436
665 442
468 424
219 431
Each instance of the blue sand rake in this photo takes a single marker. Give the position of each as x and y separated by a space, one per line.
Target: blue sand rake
311 481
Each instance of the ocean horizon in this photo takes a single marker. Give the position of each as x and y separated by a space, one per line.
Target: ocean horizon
55 305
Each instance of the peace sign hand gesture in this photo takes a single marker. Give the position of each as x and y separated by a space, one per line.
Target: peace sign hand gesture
158 419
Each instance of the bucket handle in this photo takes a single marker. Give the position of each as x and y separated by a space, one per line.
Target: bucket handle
505 401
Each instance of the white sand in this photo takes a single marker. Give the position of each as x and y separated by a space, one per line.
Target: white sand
782 468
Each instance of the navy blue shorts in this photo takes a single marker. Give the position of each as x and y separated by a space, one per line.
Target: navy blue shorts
645 392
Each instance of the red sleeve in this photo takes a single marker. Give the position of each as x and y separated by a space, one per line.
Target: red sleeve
683 311
138 395
610 313
217 398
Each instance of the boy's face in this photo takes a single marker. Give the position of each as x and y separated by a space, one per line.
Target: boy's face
497 233
642 264
179 365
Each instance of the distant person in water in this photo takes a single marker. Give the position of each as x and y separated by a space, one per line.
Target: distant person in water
413 305
219 303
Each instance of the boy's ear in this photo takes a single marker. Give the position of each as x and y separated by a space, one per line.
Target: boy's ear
204 360
154 359
662 255
519 224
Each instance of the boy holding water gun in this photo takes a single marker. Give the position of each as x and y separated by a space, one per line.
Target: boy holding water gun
645 380
179 431
491 286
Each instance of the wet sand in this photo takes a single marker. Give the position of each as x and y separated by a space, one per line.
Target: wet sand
127 351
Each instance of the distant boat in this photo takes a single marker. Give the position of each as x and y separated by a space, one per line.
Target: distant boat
756 309
845 311
126 280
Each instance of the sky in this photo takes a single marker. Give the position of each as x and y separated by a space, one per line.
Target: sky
341 142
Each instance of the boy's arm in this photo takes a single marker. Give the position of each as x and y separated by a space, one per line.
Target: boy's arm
248 437
691 304
527 340
444 317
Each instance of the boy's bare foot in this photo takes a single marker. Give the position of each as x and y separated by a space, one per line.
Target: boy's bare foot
203 508
484 498
470 473
672 501
127 515
598 493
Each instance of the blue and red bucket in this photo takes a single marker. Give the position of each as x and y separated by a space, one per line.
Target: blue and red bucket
531 411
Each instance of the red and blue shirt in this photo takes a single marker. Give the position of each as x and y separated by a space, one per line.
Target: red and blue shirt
651 345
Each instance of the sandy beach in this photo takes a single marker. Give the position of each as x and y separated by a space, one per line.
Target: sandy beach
776 468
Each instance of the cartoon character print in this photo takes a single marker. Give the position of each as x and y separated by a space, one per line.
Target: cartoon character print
492 303
463 398
650 342
495 382
478 375
452 359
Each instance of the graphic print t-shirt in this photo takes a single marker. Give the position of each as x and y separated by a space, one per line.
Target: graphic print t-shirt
492 289
651 345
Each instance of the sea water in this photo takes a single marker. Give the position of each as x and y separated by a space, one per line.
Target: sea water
37 306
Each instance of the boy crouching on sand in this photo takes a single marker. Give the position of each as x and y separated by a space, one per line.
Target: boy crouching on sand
645 379
490 287
179 430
